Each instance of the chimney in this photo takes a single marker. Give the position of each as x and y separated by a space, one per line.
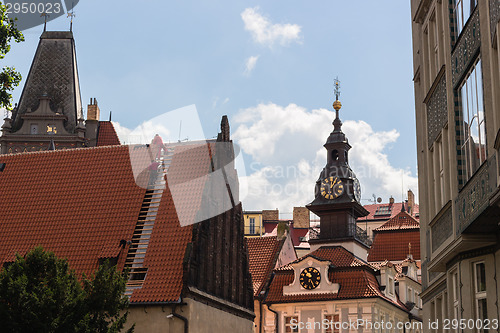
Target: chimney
300 217
391 200
93 112
270 215
92 123
411 201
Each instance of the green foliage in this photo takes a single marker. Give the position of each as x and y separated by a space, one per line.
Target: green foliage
9 78
39 293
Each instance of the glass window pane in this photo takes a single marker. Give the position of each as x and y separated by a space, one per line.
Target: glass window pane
480 277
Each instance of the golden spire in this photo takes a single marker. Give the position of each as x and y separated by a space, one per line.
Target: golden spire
337 105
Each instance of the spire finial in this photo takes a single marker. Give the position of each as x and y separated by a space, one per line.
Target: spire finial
337 105
71 14
45 15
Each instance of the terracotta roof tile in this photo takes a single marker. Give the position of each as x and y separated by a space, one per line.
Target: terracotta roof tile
393 245
401 221
263 253
106 134
80 204
394 209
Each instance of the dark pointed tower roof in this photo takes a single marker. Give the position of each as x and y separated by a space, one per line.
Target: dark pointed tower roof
53 73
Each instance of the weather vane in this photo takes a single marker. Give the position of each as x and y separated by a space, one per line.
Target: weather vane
71 14
337 87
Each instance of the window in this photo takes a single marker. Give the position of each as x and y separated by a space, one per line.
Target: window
291 324
333 326
34 129
252 225
51 129
383 210
456 295
480 292
473 143
462 11
390 286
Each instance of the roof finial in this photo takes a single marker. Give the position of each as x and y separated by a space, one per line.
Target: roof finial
71 14
45 15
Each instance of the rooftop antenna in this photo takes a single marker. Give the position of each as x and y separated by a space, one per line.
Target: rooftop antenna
402 187
45 15
180 128
71 14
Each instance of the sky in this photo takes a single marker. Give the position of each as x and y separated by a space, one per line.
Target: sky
270 67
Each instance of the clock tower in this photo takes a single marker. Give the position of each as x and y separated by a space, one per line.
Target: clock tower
338 195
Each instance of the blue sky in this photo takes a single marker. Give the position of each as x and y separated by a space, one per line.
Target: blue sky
268 65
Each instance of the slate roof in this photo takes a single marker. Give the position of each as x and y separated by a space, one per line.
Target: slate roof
356 279
390 240
80 204
106 134
53 72
263 252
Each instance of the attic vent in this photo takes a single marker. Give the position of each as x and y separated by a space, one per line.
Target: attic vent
383 210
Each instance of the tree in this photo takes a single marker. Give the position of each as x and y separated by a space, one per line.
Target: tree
39 293
9 78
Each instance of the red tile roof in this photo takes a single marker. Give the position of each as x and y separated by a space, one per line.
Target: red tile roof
106 134
80 204
393 245
263 253
395 209
355 277
399 222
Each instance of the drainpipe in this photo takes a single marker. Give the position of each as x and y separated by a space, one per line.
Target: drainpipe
276 318
260 315
176 315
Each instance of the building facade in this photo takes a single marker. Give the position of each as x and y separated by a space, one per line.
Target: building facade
457 105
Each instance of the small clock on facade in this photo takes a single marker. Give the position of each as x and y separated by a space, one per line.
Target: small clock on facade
331 188
310 278
357 189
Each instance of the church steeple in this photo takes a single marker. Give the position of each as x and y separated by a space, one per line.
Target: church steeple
338 193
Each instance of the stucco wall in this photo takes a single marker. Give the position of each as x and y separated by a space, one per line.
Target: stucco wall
201 318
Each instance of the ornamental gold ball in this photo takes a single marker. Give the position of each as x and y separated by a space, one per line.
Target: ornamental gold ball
337 105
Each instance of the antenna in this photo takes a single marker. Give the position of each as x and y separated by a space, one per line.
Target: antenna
402 188
180 128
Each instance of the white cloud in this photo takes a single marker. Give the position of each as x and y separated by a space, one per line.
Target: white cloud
266 33
250 64
122 132
286 147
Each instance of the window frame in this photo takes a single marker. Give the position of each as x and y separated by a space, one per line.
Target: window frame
472 113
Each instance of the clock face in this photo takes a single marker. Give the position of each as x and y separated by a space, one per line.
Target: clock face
357 189
310 278
331 187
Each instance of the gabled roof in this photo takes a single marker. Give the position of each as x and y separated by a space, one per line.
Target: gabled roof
53 72
356 279
81 204
263 252
401 221
391 240
106 134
